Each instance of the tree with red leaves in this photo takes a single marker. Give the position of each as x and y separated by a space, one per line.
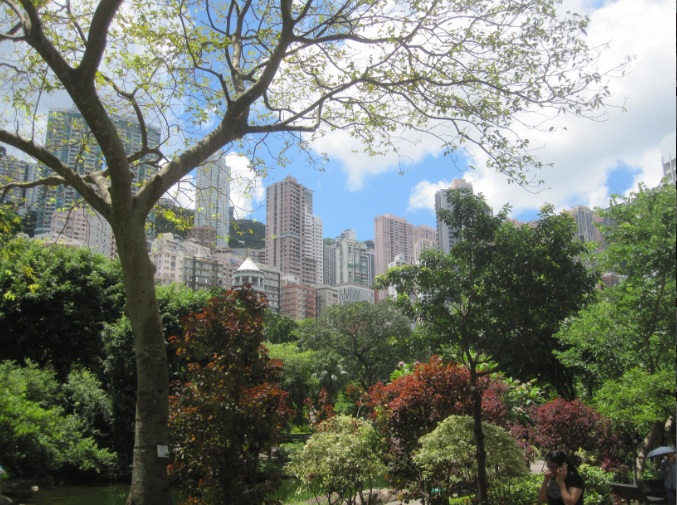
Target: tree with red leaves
229 409
414 404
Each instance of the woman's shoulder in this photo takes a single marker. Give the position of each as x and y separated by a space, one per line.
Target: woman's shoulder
575 480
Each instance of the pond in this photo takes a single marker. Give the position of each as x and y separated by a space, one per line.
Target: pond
80 495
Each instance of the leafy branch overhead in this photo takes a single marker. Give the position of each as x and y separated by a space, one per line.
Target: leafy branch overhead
464 71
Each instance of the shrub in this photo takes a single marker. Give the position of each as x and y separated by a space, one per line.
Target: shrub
446 459
341 460
570 427
37 437
517 491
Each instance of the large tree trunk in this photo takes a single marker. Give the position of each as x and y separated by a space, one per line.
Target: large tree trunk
149 477
481 453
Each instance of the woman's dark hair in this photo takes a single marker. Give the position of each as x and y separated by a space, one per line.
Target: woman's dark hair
560 458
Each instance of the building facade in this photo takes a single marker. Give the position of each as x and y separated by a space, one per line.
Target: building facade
668 156
446 234
85 226
293 234
15 170
70 140
392 236
212 197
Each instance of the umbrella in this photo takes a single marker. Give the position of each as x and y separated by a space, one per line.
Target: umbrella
660 451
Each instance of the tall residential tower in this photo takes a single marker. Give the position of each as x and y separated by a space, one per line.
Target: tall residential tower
212 186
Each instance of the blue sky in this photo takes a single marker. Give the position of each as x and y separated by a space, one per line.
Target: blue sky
591 159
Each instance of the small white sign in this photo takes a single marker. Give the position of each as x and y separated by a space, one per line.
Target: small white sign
162 451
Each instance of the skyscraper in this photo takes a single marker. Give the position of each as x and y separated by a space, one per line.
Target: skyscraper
392 236
293 234
445 233
212 187
70 140
586 230
351 260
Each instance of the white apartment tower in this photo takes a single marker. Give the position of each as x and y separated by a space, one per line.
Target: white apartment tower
445 233
352 260
212 186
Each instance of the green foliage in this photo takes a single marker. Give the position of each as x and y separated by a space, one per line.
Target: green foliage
228 409
370 339
502 292
10 223
638 399
55 303
623 346
517 491
118 363
87 399
341 460
447 459
597 489
297 376
37 437
279 329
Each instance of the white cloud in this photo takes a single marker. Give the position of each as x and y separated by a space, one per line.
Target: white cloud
586 152
423 194
246 187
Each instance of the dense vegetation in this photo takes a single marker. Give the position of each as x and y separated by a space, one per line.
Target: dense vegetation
376 395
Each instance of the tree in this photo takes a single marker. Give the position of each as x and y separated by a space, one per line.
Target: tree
55 303
118 363
370 338
623 346
500 294
229 409
414 404
241 73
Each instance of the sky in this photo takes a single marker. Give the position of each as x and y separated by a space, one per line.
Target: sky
590 159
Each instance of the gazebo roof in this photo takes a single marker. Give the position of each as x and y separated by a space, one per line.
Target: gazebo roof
248 266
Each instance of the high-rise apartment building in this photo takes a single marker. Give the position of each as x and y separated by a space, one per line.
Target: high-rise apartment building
15 170
392 236
70 140
446 238
293 234
352 260
424 238
329 262
585 219
87 227
212 187
313 250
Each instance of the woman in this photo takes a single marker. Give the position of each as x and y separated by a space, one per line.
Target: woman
562 484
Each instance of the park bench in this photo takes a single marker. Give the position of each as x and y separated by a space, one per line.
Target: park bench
643 492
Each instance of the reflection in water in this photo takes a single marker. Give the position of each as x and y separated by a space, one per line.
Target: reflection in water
104 495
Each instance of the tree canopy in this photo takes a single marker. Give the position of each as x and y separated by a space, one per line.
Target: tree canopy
371 339
499 294
623 345
238 73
